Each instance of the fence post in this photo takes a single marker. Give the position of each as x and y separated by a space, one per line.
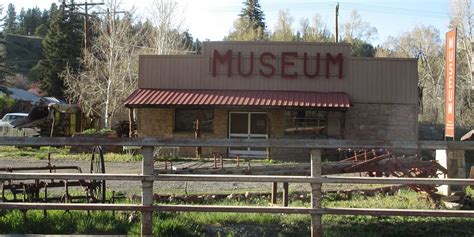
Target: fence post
316 195
274 192
147 190
285 194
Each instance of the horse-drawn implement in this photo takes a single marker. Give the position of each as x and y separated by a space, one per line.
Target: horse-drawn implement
38 190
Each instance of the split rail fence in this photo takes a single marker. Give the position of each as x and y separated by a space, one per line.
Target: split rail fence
147 207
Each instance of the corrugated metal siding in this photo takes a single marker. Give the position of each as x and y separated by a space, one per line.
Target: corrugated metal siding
366 80
170 97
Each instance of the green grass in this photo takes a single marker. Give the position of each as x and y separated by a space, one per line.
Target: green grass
61 153
17 222
249 224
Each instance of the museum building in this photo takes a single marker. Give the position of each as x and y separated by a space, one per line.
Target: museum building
275 90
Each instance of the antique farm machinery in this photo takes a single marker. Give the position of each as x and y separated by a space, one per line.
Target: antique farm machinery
37 190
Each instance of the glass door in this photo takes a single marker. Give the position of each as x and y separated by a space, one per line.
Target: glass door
248 125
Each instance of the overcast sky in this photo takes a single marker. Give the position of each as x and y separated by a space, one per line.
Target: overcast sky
213 19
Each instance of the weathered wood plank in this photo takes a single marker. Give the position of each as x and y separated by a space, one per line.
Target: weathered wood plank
396 212
236 178
147 191
281 143
316 194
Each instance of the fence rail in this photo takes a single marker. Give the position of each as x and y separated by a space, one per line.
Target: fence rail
316 180
279 143
234 178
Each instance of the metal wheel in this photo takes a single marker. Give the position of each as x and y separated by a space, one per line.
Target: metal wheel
97 187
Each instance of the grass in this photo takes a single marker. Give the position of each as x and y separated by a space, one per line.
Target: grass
17 222
61 153
249 224
234 224
64 153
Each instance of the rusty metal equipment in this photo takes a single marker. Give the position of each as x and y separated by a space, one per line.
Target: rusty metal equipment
381 162
32 190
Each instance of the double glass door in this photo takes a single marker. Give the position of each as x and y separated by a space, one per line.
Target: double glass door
248 125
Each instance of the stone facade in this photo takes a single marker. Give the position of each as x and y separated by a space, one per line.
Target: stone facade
382 122
154 122
359 122
157 122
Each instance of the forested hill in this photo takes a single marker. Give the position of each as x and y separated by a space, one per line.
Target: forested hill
23 52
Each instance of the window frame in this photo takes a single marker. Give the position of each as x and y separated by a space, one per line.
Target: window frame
320 121
196 110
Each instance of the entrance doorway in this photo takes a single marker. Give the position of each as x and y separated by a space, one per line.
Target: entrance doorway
248 125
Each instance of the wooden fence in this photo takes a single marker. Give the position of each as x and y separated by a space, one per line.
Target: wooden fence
316 180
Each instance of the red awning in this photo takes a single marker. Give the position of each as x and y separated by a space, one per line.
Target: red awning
174 97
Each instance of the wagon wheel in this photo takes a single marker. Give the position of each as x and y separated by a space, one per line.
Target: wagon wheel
97 187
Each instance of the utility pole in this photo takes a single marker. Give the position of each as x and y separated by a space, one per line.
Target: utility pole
337 24
86 15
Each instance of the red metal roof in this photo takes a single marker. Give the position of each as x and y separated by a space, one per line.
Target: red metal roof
178 97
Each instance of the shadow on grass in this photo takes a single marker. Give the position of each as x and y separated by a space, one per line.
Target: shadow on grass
397 226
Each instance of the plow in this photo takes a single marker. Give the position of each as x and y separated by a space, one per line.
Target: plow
93 191
372 163
383 163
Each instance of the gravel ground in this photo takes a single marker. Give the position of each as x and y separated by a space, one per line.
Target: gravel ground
165 187
131 188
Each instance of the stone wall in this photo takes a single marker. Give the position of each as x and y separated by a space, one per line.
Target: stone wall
334 124
157 122
382 122
363 121
154 122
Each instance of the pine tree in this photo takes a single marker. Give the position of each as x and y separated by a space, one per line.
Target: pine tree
10 22
4 70
61 49
253 13
251 23
21 30
45 17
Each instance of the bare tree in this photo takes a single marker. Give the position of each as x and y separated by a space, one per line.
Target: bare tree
317 31
462 18
355 28
250 26
110 67
168 27
424 43
242 31
283 30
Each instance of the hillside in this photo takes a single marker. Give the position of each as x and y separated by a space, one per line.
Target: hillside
23 52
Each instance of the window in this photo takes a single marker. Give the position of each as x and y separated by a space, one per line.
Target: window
185 120
309 122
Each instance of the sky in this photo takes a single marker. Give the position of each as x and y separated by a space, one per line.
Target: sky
213 19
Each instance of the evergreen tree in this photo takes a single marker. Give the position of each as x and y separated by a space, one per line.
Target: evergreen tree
4 70
45 17
41 30
31 20
251 23
21 30
253 13
362 49
10 22
61 49
197 46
